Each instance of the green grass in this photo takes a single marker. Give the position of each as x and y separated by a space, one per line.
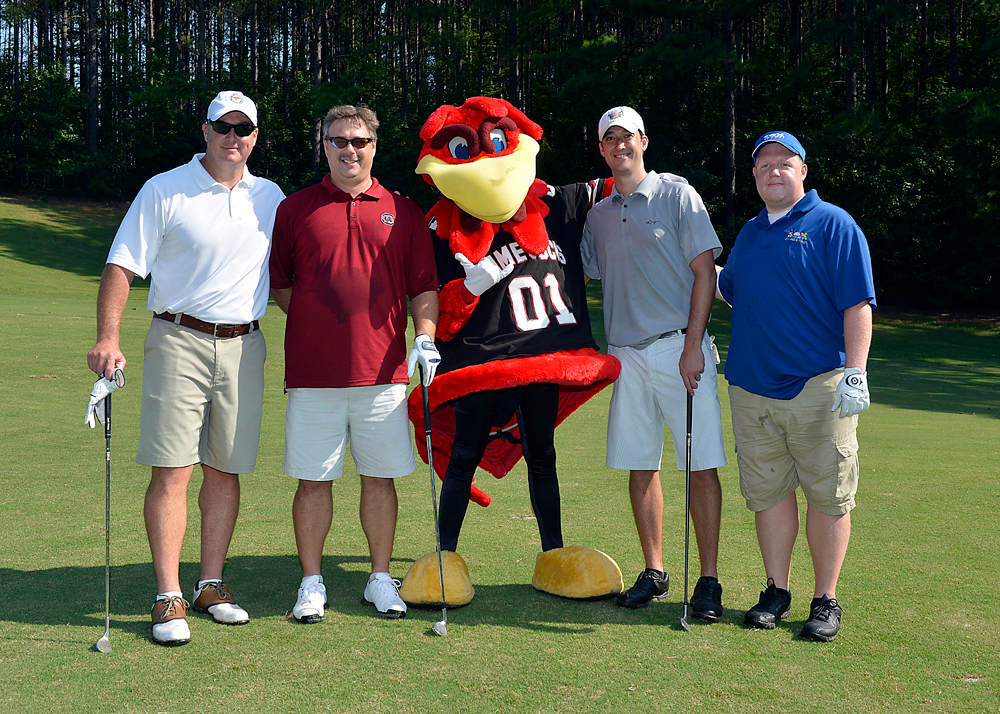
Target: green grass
921 623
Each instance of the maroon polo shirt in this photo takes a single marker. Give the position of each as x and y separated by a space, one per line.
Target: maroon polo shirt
351 263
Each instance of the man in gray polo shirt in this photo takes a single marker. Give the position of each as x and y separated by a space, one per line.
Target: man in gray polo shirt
653 247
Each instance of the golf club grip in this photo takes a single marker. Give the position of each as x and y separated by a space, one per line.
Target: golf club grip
427 404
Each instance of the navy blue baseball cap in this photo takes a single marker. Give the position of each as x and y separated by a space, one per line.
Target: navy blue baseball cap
780 137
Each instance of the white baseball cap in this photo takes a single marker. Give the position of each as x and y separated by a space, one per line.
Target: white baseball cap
625 117
226 102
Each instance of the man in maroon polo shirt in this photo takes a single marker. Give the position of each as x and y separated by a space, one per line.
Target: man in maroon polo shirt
346 254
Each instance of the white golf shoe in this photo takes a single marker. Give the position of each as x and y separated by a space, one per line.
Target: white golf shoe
170 627
213 598
311 603
382 592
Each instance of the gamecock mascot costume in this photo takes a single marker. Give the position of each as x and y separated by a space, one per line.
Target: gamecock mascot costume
517 353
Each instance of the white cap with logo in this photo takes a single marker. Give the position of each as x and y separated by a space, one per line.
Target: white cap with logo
226 102
625 117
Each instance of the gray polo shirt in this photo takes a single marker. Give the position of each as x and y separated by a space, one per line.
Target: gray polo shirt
641 248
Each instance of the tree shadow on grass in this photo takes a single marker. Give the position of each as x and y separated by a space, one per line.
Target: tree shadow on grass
63 236
920 363
951 368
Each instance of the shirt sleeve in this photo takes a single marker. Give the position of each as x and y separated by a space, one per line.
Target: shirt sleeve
137 241
280 262
588 251
851 268
422 269
695 227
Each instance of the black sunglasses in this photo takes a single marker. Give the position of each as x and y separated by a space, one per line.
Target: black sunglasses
359 142
221 127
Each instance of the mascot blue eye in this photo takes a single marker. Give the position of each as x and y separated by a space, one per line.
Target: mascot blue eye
499 139
458 147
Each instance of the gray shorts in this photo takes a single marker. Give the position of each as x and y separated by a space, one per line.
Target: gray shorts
785 443
202 399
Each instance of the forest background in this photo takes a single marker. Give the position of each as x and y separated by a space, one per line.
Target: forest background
896 101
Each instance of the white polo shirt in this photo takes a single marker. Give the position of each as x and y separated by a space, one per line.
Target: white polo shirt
206 246
641 248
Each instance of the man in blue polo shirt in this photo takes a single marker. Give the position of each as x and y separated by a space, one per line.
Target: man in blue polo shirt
799 279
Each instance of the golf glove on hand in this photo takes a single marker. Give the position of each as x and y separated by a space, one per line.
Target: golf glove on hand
483 275
102 388
425 353
852 393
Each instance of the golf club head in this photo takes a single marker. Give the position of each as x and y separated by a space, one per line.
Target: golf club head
684 620
104 644
440 628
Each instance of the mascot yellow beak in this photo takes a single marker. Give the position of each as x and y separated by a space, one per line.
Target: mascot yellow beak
489 188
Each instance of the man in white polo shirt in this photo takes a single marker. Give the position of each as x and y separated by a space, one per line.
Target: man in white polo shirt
203 231
653 247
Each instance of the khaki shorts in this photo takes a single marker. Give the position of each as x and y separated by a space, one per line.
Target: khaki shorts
784 443
202 399
649 393
319 424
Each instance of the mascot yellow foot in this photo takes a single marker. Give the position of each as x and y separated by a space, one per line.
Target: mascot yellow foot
578 573
422 585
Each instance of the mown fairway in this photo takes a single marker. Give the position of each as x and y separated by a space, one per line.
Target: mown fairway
921 623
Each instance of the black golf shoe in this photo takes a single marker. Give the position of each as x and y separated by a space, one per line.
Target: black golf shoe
650 585
706 600
774 604
824 619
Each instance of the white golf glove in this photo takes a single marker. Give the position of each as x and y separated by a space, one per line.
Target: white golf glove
102 388
852 393
483 275
426 354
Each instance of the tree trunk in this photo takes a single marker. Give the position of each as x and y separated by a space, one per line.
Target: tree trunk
512 54
953 43
851 52
729 123
315 58
90 78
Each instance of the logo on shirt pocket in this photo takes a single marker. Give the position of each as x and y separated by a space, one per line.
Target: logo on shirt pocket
388 219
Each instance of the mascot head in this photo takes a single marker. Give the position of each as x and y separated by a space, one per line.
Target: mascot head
480 155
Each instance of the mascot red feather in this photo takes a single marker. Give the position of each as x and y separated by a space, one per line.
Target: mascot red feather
517 353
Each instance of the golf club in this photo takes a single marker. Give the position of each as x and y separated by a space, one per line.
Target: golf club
687 509
440 627
104 644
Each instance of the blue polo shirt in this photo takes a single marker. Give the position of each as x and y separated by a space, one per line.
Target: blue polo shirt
789 284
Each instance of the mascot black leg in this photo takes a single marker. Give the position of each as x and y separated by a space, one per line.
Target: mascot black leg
537 422
473 421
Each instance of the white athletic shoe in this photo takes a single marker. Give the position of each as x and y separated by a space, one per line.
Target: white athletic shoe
214 599
382 592
311 602
169 626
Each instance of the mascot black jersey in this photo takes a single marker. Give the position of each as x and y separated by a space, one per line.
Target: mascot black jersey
541 306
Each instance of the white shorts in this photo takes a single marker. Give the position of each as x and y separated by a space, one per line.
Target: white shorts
320 422
649 393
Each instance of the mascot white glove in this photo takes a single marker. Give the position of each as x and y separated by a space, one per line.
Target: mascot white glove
483 275
852 393
102 388
426 354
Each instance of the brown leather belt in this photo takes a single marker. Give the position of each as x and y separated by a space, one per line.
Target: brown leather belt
222 332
